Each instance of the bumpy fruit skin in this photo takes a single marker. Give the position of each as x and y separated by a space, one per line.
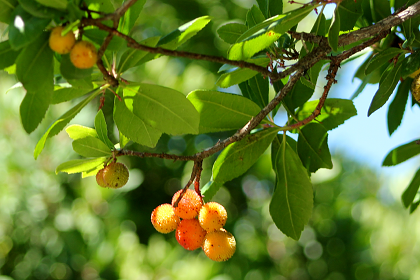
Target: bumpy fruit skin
212 216
164 219
415 88
219 245
115 175
190 234
189 206
83 55
61 44
100 178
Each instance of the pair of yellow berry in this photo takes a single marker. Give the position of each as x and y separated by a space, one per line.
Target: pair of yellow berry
196 225
114 175
83 54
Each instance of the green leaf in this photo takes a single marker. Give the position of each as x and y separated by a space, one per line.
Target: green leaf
123 140
238 157
386 87
38 10
334 112
271 7
349 10
210 189
235 77
292 202
6 11
382 58
313 148
102 130
258 90
246 49
34 66
397 107
66 94
134 127
182 34
163 108
231 32
59 124
70 72
402 153
334 30
58 4
98 36
411 64
131 16
411 191
76 131
7 55
91 147
80 165
25 28
254 16
132 57
298 95
33 108
220 111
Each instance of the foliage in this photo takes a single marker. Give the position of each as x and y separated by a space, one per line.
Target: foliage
265 50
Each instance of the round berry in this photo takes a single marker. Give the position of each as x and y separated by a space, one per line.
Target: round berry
115 175
100 178
212 216
164 219
189 234
61 44
83 55
219 245
189 205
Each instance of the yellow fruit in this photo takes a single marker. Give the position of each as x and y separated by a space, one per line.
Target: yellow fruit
115 175
61 44
212 216
189 234
100 178
164 219
83 55
219 245
415 88
189 206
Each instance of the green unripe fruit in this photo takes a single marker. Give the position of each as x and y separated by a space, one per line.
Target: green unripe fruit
115 175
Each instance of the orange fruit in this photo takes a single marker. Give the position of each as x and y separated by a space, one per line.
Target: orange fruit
83 55
61 44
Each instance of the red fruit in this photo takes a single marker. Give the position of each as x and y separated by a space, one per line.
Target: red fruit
189 206
189 234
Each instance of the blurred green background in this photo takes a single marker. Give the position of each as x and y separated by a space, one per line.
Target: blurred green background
64 227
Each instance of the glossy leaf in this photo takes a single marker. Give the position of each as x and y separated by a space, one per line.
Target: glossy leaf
411 64
397 107
25 28
33 108
6 12
80 165
313 148
91 147
29 62
70 72
298 95
134 127
270 7
131 17
254 16
334 30
102 130
67 94
411 191
386 87
246 49
402 153
220 111
349 11
7 55
235 77
180 35
334 112
382 58
259 90
59 124
238 157
292 201
77 131
231 32
132 57
210 189
163 108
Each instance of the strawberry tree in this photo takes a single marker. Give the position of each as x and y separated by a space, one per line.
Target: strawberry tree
266 51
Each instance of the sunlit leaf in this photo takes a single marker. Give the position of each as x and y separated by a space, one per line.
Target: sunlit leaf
402 153
91 147
76 131
80 165
235 77
102 130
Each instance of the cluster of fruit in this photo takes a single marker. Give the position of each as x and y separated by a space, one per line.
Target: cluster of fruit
114 175
83 54
196 225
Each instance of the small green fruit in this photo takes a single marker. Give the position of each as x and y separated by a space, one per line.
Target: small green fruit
115 175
